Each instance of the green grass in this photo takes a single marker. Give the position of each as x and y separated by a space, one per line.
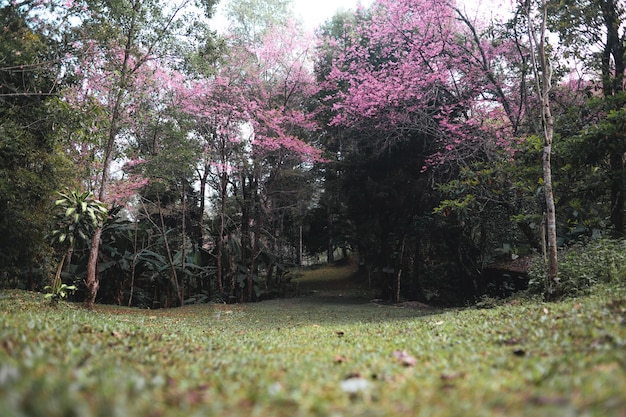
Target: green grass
289 358
342 277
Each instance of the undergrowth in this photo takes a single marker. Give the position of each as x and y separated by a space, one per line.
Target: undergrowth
582 266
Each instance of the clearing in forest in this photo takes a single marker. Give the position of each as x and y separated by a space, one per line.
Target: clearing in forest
314 355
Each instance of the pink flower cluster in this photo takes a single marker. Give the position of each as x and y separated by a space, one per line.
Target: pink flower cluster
422 66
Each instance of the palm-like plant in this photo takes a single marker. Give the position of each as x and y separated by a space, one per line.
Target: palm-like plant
80 213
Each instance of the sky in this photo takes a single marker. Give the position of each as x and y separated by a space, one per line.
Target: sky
315 12
312 12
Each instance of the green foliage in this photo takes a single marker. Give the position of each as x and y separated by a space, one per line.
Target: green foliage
80 213
58 291
583 266
590 131
290 358
29 167
251 19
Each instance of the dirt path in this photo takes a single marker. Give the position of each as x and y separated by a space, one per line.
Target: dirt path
336 284
340 285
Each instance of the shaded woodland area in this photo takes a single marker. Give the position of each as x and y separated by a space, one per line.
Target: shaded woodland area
150 161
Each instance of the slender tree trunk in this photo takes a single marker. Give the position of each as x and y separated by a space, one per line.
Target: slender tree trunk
132 267
399 274
553 268
616 160
203 183
300 245
543 79
168 250
246 218
200 241
256 236
91 281
613 68
220 235
182 246
57 276
330 251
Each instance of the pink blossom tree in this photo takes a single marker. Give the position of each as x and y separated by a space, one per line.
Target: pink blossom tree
424 72
281 84
117 71
217 110
253 119
423 66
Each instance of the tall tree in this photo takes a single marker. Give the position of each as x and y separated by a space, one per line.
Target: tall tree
419 75
542 68
279 83
120 41
30 76
593 31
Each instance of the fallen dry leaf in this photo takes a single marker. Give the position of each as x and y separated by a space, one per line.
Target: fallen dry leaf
512 341
404 358
452 376
340 359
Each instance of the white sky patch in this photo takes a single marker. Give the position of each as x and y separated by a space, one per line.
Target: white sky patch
315 12
312 12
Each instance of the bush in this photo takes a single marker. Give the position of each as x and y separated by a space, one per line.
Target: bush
583 265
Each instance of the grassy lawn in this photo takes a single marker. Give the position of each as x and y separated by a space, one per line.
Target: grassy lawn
307 356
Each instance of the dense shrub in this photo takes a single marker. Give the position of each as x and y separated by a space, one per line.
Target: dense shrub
583 265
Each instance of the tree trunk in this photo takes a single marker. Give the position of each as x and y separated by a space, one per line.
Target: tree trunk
330 251
300 244
398 293
256 243
543 79
91 281
613 67
203 183
133 265
552 280
616 160
168 250
182 246
223 179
